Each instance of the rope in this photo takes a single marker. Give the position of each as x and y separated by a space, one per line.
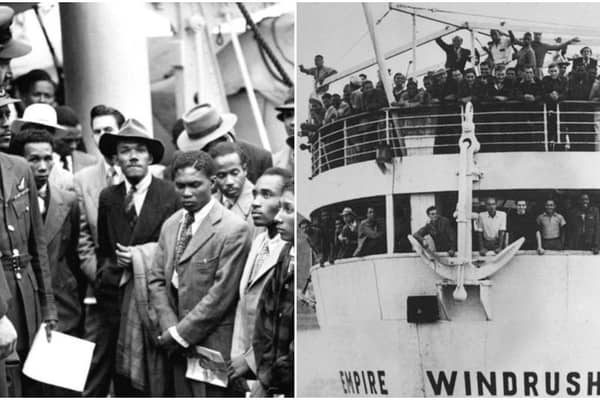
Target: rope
261 41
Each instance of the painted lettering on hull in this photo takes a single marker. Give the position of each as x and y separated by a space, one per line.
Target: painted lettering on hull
363 382
508 383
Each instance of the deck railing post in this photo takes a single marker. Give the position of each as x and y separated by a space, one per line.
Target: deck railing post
387 127
345 142
545 111
557 123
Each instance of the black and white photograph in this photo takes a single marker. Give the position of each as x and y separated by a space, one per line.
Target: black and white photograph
148 201
448 199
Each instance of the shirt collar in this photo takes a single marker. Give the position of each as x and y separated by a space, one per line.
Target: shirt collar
142 185
43 192
203 212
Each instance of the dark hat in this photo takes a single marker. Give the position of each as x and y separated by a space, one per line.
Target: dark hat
204 124
133 130
66 116
9 47
286 107
5 99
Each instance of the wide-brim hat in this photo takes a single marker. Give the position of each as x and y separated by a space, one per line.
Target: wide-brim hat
39 114
9 47
132 130
204 124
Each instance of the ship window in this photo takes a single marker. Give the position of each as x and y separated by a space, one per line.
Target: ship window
328 227
402 220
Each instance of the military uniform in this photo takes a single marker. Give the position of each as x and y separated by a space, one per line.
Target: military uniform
25 285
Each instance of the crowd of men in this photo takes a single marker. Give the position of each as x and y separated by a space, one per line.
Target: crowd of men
506 74
577 228
494 229
344 236
161 268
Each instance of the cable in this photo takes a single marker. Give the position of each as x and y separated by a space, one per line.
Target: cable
261 41
274 34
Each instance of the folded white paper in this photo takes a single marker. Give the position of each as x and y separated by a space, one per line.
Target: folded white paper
208 367
64 362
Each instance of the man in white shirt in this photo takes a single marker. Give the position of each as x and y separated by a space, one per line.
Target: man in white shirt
259 267
500 48
490 228
194 279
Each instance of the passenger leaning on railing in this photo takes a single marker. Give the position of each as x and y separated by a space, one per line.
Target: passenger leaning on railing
498 90
529 90
450 91
412 97
579 83
491 227
469 89
584 226
551 229
437 234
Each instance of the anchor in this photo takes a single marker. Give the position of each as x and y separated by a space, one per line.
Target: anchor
464 270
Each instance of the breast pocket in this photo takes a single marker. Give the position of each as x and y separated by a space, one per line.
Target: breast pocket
20 207
204 270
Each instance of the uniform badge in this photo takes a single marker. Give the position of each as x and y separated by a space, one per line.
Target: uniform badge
21 185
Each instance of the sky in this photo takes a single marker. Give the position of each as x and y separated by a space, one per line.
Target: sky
338 31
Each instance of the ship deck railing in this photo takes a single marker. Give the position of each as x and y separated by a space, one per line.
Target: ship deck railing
435 129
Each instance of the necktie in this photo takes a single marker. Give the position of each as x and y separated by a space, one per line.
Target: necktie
227 203
259 261
130 207
185 235
42 195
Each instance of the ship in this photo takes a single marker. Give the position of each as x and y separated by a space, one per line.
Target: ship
410 322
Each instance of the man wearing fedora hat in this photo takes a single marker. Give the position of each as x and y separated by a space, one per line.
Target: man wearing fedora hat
26 292
285 157
129 214
205 127
89 182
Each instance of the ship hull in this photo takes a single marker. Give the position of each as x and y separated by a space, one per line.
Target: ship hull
542 338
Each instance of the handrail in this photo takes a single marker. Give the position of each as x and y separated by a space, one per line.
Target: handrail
434 129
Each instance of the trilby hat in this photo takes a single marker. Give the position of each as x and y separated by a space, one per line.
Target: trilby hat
204 124
132 130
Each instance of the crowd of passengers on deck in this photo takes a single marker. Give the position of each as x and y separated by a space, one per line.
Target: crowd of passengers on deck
575 227
506 74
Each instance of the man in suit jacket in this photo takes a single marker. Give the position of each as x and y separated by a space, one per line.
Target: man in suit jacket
273 338
71 159
234 190
194 279
89 182
60 214
258 269
456 56
129 214
205 127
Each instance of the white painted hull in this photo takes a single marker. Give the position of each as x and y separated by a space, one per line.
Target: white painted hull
545 322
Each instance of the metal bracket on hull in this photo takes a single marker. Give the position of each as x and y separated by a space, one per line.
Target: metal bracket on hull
485 287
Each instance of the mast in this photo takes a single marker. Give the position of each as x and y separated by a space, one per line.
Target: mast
383 71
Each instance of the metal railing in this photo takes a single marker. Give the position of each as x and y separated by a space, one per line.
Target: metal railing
422 130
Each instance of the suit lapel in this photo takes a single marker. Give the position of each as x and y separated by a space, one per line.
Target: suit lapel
147 219
244 202
97 183
204 232
55 215
269 263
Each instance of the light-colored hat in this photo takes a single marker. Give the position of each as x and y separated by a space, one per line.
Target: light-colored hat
203 124
348 211
40 114
134 130
9 47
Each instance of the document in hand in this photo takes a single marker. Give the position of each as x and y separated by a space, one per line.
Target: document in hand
64 362
207 366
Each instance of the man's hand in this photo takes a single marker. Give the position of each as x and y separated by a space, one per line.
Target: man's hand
238 367
168 343
501 98
540 251
574 40
529 97
554 95
595 250
8 337
123 256
51 325
497 250
482 252
451 252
